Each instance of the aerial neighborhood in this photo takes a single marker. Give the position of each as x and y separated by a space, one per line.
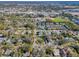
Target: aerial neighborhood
39 29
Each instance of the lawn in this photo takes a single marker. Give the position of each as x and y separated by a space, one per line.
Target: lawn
57 19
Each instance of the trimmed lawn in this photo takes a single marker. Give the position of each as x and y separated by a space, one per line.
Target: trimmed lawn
57 19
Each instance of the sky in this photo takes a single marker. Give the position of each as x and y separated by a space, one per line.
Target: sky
39 0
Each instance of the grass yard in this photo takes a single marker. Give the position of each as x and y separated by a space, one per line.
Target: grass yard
58 19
